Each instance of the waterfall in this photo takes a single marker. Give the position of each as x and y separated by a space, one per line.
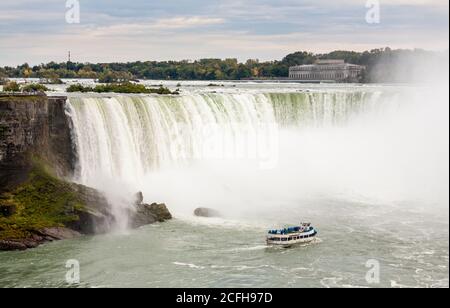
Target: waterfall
129 136
253 149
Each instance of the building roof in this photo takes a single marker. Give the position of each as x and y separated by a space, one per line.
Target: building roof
329 61
333 63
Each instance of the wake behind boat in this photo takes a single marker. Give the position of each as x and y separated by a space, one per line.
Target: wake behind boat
305 233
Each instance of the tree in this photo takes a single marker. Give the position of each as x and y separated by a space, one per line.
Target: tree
49 76
299 58
382 65
110 76
26 72
3 76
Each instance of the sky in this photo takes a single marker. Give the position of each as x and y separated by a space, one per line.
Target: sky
37 31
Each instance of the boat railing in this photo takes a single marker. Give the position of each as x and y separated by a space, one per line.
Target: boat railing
286 231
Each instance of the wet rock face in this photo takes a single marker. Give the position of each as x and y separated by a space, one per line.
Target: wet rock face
206 212
95 217
33 125
23 127
61 146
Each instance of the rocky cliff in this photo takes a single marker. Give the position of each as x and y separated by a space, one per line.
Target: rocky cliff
33 125
37 156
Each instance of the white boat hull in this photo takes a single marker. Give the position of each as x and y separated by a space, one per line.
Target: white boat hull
291 239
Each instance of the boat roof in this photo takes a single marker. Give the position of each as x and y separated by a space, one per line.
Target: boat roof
290 229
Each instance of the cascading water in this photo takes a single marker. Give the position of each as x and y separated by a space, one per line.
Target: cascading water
128 136
327 142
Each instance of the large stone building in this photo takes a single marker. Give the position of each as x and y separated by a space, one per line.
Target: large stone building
327 70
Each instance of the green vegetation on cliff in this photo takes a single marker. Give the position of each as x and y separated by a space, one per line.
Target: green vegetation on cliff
126 87
12 86
43 201
34 87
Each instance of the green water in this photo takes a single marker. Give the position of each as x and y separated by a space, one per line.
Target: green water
194 252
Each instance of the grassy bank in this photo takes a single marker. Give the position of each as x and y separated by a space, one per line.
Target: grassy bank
43 201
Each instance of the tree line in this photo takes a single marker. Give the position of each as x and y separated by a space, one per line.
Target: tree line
382 65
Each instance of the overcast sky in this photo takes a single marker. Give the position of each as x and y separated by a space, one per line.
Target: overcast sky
36 31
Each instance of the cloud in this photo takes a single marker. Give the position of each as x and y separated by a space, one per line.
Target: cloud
427 3
165 24
186 22
114 30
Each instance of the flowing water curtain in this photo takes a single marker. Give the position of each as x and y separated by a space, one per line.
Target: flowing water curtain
128 136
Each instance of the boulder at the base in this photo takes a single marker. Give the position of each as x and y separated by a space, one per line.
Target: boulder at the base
161 212
142 216
206 212
148 214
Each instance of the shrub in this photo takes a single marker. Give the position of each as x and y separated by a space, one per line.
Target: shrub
11 86
114 77
34 87
79 88
127 87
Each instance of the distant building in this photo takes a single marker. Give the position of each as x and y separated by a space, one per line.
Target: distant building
327 70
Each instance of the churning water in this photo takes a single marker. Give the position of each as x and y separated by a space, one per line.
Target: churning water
367 165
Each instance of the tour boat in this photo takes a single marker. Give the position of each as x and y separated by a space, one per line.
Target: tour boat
305 233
